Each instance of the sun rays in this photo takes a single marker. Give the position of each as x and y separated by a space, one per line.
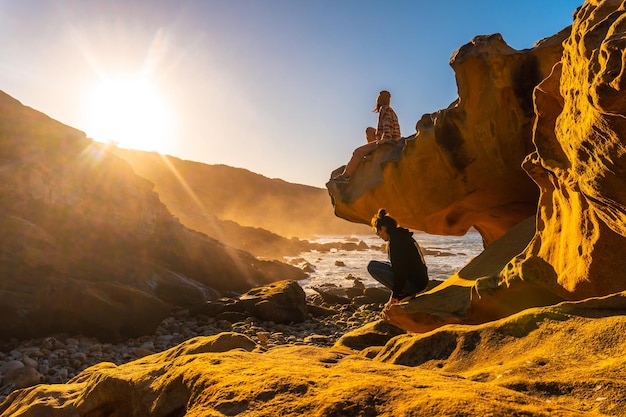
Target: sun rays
128 107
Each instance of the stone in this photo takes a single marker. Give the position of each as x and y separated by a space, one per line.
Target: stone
10 366
280 302
141 352
377 295
333 295
22 377
377 333
319 311
29 362
354 292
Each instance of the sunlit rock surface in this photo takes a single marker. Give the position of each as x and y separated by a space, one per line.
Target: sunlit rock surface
524 365
579 249
86 245
463 166
576 161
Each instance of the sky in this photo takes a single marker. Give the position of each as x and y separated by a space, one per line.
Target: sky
283 88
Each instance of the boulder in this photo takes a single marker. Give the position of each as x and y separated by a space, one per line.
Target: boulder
333 295
280 302
23 377
376 295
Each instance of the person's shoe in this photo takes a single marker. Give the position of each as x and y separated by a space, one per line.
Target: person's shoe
341 179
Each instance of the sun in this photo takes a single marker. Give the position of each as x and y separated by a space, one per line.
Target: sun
131 113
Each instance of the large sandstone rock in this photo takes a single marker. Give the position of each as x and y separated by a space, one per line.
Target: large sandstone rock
579 249
87 246
577 162
462 168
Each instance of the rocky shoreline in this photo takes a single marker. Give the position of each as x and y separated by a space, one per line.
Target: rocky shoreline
59 358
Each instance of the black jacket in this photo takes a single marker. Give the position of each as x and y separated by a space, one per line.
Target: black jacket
406 261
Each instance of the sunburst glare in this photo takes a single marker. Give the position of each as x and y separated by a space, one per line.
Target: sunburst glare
130 112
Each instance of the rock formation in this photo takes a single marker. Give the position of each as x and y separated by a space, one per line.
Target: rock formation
579 163
576 158
562 359
462 168
88 247
524 365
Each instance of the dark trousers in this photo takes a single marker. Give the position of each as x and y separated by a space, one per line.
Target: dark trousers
383 273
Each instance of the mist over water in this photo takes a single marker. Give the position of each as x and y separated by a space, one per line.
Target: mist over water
445 255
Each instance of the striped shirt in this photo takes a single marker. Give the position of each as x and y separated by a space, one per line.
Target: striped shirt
388 125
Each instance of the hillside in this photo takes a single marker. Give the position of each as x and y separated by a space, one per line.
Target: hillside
87 245
198 193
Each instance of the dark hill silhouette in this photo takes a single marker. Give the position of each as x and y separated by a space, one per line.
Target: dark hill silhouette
88 247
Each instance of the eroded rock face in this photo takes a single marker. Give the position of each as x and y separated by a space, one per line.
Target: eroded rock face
462 168
579 249
87 246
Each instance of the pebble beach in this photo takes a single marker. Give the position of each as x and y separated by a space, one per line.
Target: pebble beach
57 359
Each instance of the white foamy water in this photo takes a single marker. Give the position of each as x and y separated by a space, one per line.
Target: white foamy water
445 255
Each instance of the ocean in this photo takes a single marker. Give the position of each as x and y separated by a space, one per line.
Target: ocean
445 255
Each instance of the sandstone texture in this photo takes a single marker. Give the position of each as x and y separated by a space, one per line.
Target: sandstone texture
462 167
579 163
532 155
87 246
554 115
563 360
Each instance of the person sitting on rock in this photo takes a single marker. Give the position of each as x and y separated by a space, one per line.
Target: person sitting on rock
388 131
406 274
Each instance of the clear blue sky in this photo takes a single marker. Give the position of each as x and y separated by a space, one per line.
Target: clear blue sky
284 88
